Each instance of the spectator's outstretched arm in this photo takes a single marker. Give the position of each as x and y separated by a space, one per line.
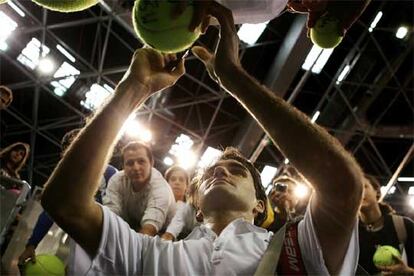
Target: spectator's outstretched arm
43 225
335 175
69 197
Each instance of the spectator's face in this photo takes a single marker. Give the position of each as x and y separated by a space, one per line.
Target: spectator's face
137 167
228 185
289 197
16 156
370 195
178 183
5 99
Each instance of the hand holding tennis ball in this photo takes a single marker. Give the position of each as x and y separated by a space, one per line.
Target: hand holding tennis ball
154 24
326 33
66 5
384 255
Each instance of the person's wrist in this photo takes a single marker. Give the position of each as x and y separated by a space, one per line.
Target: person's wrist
228 72
30 245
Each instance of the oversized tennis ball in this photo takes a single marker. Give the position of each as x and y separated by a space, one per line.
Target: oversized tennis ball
383 255
156 28
66 5
326 32
46 265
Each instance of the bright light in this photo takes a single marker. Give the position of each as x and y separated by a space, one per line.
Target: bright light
133 128
209 156
3 46
401 32
405 179
182 143
375 21
411 190
30 55
64 238
168 161
16 8
267 175
286 161
46 65
250 33
187 159
315 116
301 190
390 192
316 59
181 149
62 85
411 202
96 96
65 53
322 60
343 74
312 57
7 27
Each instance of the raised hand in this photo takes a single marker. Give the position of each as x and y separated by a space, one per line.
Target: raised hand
227 53
346 11
400 268
28 254
150 69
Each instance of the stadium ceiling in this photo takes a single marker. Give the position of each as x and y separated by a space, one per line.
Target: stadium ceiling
363 94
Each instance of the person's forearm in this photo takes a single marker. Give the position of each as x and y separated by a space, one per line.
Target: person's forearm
313 151
73 184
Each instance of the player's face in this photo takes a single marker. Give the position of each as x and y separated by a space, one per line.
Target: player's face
227 185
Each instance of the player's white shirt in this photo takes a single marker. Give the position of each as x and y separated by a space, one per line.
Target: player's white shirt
236 251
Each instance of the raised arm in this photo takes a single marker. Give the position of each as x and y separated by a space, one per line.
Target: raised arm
335 175
69 194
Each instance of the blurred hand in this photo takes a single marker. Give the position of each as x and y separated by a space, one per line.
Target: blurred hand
227 54
149 68
29 254
400 268
349 11
167 236
200 16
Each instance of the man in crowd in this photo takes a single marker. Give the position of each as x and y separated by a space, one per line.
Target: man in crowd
139 194
230 190
379 225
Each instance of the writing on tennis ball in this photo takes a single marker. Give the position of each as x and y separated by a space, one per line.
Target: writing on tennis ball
326 32
384 255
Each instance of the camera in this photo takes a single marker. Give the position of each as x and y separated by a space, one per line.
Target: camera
280 187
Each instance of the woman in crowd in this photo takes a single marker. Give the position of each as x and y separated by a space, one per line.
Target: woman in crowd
13 158
186 217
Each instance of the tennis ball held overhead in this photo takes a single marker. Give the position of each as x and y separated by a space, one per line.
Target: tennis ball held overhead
66 5
155 26
326 32
384 255
46 265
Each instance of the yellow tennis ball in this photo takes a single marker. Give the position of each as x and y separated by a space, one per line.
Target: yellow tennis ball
326 33
45 265
156 28
3 1
383 255
66 5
